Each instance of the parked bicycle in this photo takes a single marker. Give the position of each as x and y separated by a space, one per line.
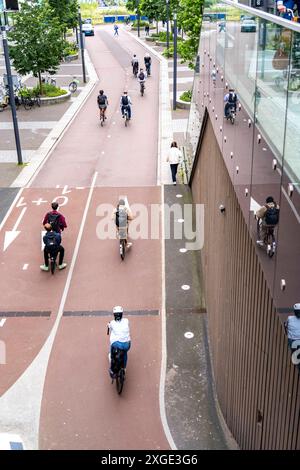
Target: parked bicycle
5 100
48 80
73 85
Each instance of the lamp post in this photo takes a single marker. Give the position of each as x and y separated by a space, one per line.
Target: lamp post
138 16
81 47
168 31
175 62
11 94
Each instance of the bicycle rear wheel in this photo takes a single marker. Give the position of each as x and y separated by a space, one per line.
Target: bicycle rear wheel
120 381
122 248
28 103
52 265
38 101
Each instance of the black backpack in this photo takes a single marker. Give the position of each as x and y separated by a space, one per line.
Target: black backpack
142 76
51 243
101 99
272 216
232 98
121 218
125 100
53 221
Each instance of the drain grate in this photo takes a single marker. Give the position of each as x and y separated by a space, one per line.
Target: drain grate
108 313
24 314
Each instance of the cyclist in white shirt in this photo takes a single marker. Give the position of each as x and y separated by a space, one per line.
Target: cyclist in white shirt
119 333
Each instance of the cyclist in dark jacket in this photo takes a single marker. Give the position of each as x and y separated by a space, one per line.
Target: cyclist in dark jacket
53 247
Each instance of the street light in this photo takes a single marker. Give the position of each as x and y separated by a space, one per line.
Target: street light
138 16
168 32
11 93
81 46
175 62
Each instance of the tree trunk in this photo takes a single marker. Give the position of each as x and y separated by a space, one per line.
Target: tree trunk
40 82
157 26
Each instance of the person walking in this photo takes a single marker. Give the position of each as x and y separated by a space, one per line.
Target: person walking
147 29
116 28
292 326
174 157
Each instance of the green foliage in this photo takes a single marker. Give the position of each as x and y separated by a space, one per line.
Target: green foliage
36 41
71 48
48 90
190 19
142 23
168 53
66 11
186 96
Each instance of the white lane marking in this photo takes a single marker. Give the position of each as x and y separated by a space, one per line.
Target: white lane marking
79 187
180 221
11 235
11 208
185 287
254 206
57 186
183 250
109 136
65 190
103 152
43 233
25 266
21 203
2 322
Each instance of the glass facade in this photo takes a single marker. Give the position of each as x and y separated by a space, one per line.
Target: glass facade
257 55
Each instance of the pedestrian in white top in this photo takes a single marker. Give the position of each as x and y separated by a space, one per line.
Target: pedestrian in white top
174 158
293 333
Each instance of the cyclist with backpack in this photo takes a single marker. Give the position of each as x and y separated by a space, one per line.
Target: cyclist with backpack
122 216
135 65
269 213
147 61
102 103
119 338
55 219
53 247
125 104
231 100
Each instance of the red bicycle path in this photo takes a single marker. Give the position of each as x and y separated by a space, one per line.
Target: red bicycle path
77 389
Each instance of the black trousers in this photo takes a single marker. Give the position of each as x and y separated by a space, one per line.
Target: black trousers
174 167
61 252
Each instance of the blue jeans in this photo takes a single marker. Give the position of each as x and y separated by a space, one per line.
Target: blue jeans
123 346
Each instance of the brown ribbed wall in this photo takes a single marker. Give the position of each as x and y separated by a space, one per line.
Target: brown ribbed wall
251 360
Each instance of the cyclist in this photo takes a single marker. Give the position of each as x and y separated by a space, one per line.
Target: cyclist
119 337
126 103
102 103
286 7
135 64
148 61
122 216
231 100
52 241
55 219
269 213
142 77
293 326
214 75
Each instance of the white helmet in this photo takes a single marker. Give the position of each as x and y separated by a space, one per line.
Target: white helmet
297 310
118 312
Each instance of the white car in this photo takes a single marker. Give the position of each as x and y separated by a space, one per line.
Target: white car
88 29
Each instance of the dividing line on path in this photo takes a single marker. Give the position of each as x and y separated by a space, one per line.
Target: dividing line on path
107 313
19 410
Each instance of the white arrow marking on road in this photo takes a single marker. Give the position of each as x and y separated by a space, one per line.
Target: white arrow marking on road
43 233
21 203
254 206
2 322
65 190
25 266
12 235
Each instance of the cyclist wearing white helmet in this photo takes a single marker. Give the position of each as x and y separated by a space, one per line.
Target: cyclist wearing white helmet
119 333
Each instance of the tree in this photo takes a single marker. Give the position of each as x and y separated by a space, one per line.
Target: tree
37 45
190 19
66 11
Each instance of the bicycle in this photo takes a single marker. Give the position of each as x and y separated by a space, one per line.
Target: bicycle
142 88
102 115
117 369
126 116
5 101
231 115
269 237
30 102
73 85
123 234
48 80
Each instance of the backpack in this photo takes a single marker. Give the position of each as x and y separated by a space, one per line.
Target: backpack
232 98
272 216
142 76
101 99
51 243
125 101
53 221
121 218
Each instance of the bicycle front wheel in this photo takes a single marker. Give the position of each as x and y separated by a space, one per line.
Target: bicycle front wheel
52 265
38 101
73 87
28 103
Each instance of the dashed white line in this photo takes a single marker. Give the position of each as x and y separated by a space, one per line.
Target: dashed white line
25 266
2 322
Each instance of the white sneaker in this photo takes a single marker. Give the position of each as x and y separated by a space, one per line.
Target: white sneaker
44 267
174 183
260 242
129 244
62 266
